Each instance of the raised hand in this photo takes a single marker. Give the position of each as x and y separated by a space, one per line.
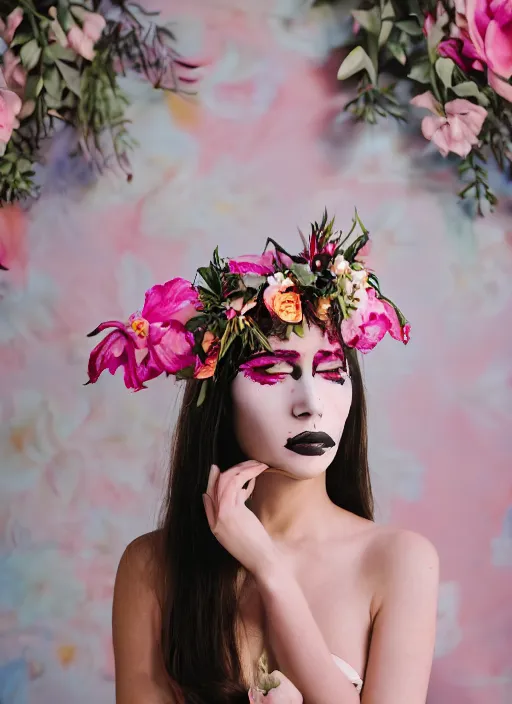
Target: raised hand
234 525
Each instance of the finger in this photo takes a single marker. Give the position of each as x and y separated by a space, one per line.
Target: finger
212 480
229 487
245 494
208 508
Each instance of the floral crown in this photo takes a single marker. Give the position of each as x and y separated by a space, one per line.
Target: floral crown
186 329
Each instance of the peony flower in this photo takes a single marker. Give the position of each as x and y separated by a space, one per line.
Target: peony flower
150 342
483 37
10 107
455 129
8 28
372 319
260 265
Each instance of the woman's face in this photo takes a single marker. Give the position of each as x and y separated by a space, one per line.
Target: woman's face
290 406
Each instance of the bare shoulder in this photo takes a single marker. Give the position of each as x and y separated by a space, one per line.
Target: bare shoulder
136 624
396 556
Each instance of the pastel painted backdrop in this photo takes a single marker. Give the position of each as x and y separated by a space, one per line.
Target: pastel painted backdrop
259 150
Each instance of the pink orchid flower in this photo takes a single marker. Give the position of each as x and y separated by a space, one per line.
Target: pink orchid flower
372 319
10 107
257 264
9 27
151 342
455 129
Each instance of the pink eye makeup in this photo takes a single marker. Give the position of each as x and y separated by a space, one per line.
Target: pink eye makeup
332 365
270 368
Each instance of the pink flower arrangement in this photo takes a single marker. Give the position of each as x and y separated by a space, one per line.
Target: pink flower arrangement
458 55
186 331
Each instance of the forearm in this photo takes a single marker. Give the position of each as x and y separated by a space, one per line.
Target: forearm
298 644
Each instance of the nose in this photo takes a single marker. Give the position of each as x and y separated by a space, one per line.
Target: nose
306 401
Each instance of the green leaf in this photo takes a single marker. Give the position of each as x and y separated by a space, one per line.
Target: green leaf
410 27
24 165
420 72
211 278
289 330
30 53
33 87
444 69
368 19
5 167
299 329
304 274
469 89
357 60
55 51
70 75
398 52
388 15
52 82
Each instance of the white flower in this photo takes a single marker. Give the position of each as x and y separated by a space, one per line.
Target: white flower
359 277
340 267
279 279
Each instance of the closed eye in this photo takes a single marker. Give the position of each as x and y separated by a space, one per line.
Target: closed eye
278 368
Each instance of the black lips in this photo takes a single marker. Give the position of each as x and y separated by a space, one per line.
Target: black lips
310 443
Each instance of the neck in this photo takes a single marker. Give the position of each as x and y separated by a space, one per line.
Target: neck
292 509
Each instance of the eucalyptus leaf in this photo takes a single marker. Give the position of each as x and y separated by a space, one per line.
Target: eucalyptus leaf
5 167
444 69
70 75
369 19
33 87
357 60
469 89
29 54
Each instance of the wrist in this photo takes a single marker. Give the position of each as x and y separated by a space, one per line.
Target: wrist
273 574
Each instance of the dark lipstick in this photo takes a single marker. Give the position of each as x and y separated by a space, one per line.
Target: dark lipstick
308 443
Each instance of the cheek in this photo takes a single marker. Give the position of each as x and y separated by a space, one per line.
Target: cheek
257 411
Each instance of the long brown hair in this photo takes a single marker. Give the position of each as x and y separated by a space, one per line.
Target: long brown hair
199 605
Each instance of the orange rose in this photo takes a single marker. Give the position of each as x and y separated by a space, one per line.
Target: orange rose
211 346
322 307
287 306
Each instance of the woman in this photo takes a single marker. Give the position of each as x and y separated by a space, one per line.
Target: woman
267 557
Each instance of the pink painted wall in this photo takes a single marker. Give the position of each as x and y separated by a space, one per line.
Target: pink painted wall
255 153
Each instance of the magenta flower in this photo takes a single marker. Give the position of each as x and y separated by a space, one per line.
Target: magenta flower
369 323
454 129
257 264
150 342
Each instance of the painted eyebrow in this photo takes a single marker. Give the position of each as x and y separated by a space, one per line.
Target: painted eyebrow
286 355
328 356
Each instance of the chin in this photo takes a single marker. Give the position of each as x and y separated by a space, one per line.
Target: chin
300 466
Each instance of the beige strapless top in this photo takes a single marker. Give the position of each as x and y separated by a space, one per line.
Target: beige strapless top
347 670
